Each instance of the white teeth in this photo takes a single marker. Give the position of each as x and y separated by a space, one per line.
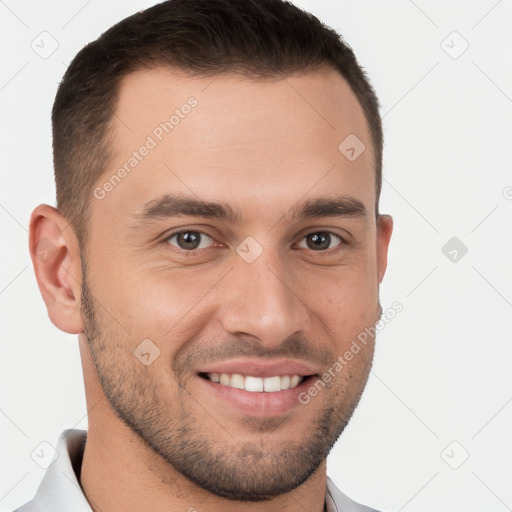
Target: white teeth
237 381
253 384
294 381
272 384
256 384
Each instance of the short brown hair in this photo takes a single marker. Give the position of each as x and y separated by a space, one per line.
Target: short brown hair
258 38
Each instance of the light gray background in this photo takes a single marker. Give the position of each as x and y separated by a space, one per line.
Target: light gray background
442 366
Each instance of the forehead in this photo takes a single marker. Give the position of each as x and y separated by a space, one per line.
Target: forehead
259 143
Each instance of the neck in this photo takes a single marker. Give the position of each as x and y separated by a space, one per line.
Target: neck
120 475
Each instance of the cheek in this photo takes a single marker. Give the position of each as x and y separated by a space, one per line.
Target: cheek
343 289
165 305
343 303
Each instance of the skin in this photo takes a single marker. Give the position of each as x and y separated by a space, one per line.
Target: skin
262 147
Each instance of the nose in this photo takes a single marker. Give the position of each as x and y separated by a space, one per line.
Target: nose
263 301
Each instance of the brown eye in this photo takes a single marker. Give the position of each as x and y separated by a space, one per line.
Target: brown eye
189 240
320 240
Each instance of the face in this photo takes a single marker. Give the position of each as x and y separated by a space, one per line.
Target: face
228 267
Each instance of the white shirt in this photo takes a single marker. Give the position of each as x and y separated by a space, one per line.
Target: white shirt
60 489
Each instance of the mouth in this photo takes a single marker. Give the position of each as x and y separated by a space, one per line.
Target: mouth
251 387
253 384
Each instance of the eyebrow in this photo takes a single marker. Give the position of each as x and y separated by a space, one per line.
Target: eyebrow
169 205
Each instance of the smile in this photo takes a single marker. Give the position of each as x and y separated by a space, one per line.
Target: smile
269 384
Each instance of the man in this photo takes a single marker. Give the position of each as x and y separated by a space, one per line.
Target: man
218 248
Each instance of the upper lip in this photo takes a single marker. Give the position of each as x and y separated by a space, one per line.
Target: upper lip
261 368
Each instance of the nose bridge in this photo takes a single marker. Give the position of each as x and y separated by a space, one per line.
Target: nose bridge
262 300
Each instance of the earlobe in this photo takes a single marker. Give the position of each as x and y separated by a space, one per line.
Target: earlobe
384 231
55 254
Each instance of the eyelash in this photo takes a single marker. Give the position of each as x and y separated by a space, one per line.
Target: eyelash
195 251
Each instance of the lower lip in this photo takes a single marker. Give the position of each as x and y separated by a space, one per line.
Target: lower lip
260 404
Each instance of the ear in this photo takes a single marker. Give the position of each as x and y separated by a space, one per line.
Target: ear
55 254
384 230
